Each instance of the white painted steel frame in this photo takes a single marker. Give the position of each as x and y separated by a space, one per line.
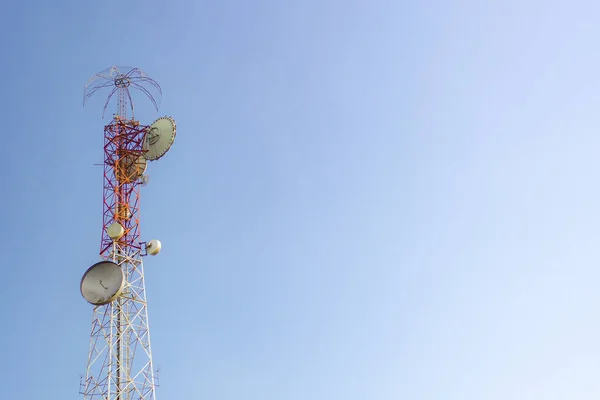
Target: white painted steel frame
120 359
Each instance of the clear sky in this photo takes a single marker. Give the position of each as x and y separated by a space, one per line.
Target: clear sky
365 200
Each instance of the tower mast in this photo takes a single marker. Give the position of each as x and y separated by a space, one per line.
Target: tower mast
119 363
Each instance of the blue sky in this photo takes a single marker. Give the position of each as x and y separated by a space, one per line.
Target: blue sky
365 200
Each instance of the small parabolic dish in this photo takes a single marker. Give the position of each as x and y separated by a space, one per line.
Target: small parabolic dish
115 231
153 247
130 167
159 138
102 283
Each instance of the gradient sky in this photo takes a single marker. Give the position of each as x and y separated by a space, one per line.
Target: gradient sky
365 200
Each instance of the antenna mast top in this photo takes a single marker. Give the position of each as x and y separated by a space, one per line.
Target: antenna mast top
122 79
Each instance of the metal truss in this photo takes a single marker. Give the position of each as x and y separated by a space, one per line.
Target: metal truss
123 141
120 357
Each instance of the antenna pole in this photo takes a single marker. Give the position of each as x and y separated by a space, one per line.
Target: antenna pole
120 358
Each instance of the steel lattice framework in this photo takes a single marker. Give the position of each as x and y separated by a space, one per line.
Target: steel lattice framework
119 363
123 141
120 356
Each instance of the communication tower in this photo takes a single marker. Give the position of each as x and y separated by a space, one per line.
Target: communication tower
119 365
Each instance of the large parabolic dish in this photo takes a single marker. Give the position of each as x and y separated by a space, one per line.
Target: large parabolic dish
102 283
159 138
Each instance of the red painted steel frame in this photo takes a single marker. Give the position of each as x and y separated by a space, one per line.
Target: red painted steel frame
123 141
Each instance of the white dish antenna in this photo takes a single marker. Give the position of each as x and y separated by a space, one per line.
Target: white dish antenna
102 283
115 231
144 179
159 138
130 167
153 247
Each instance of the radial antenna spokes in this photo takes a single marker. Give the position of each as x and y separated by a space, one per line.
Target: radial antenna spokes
120 80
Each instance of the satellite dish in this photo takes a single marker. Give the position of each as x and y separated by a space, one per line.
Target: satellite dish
159 138
115 231
144 179
153 247
102 283
130 167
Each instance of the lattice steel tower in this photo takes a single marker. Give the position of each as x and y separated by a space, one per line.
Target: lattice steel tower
119 364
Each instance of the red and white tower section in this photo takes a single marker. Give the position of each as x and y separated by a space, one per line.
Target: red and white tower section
119 363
